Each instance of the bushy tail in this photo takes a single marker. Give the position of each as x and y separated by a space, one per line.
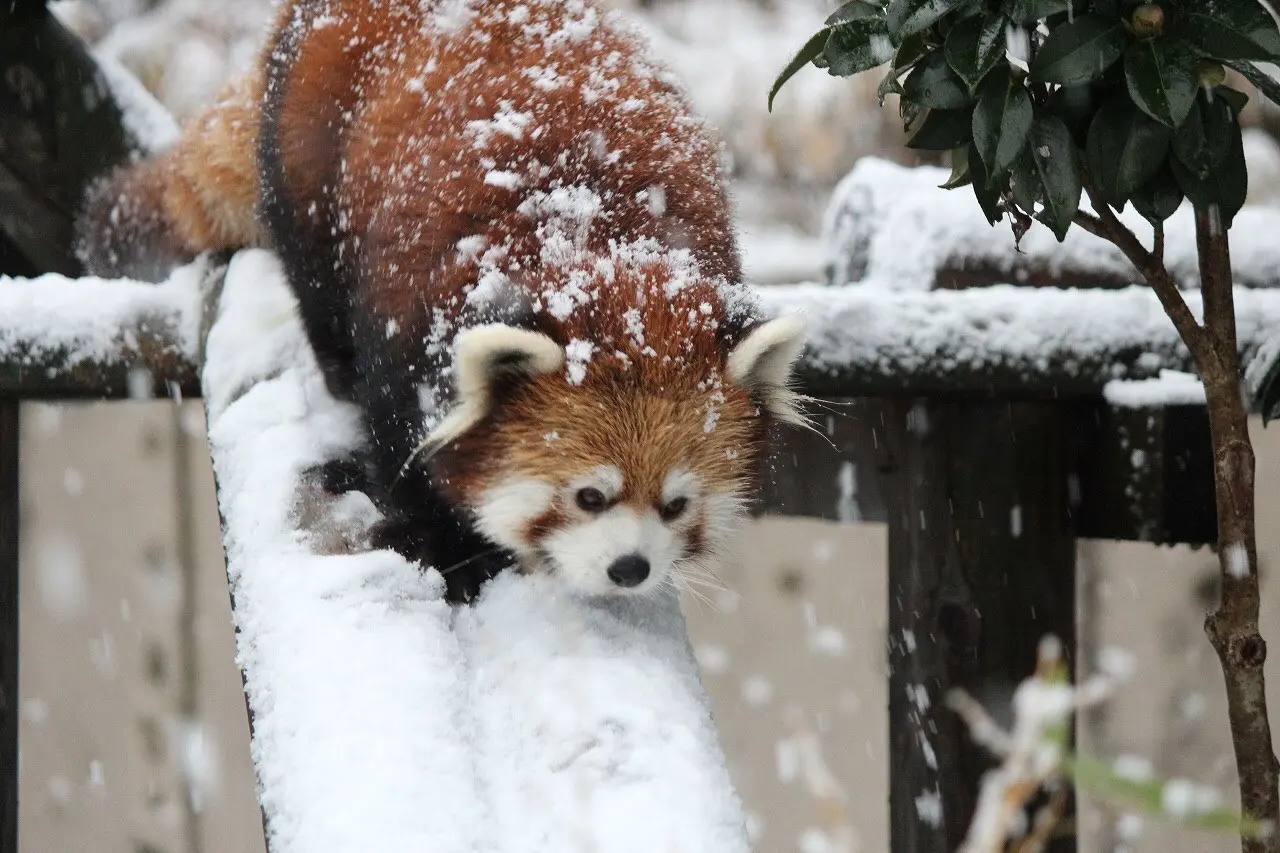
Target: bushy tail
142 220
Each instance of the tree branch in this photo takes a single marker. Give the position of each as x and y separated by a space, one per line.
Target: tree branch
1152 268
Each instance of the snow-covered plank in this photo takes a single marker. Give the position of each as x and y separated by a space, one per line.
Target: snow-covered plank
894 225
385 720
870 339
89 337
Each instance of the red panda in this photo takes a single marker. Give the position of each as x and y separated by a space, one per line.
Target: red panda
510 243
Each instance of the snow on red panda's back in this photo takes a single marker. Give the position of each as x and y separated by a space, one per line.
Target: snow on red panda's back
511 247
500 153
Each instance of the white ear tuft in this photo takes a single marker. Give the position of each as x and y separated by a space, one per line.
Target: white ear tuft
483 356
763 361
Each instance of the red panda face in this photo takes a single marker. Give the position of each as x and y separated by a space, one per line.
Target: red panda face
611 487
624 480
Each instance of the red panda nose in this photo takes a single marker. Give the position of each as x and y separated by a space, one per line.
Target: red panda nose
629 570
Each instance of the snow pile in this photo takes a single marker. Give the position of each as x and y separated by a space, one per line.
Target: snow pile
893 224
76 321
383 718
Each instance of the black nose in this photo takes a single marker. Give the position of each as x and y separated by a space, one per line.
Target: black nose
629 570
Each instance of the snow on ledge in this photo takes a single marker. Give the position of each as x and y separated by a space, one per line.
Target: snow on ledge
385 719
1170 388
59 324
895 224
868 336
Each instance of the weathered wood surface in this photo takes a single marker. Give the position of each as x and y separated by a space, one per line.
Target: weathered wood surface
979 504
1141 474
59 128
9 698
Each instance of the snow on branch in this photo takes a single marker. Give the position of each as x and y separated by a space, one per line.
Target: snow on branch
383 719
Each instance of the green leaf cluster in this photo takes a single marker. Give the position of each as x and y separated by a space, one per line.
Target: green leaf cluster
1035 99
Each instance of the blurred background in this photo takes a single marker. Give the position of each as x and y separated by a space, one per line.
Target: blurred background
134 736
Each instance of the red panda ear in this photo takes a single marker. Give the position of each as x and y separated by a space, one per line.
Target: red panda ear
762 363
484 356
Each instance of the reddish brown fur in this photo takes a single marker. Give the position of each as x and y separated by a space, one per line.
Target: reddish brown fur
378 175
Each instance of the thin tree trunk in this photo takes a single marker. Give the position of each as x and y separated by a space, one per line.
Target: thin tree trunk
1233 626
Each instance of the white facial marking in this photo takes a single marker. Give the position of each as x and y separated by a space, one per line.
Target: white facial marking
581 554
680 483
506 509
606 478
722 514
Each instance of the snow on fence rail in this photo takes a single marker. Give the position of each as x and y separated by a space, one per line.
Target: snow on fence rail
88 337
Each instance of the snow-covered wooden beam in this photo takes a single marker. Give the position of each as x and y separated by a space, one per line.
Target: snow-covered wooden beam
892 224
1000 341
384 720
85 337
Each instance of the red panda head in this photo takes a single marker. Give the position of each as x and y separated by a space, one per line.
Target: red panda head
615 463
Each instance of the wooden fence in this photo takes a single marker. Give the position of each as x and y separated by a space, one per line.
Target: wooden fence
986 462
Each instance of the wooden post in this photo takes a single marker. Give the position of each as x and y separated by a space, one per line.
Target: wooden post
981 566
8 625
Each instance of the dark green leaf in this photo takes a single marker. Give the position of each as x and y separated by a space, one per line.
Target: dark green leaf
1232 29
1030 11
852 11
1025 182
1075 105
1225 188
1236 99
1159 197
933 84
988 196
1125 148
909 111
959 169
1080 51
912 50
1001 121
812 48
942 130
1203 142
1161 74
888 86
1263 82
1059 174
857 46
907 17
975 46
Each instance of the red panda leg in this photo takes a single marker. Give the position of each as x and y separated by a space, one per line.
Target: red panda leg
420 522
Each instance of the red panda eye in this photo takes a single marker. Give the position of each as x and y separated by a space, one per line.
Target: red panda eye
673 508
591 500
